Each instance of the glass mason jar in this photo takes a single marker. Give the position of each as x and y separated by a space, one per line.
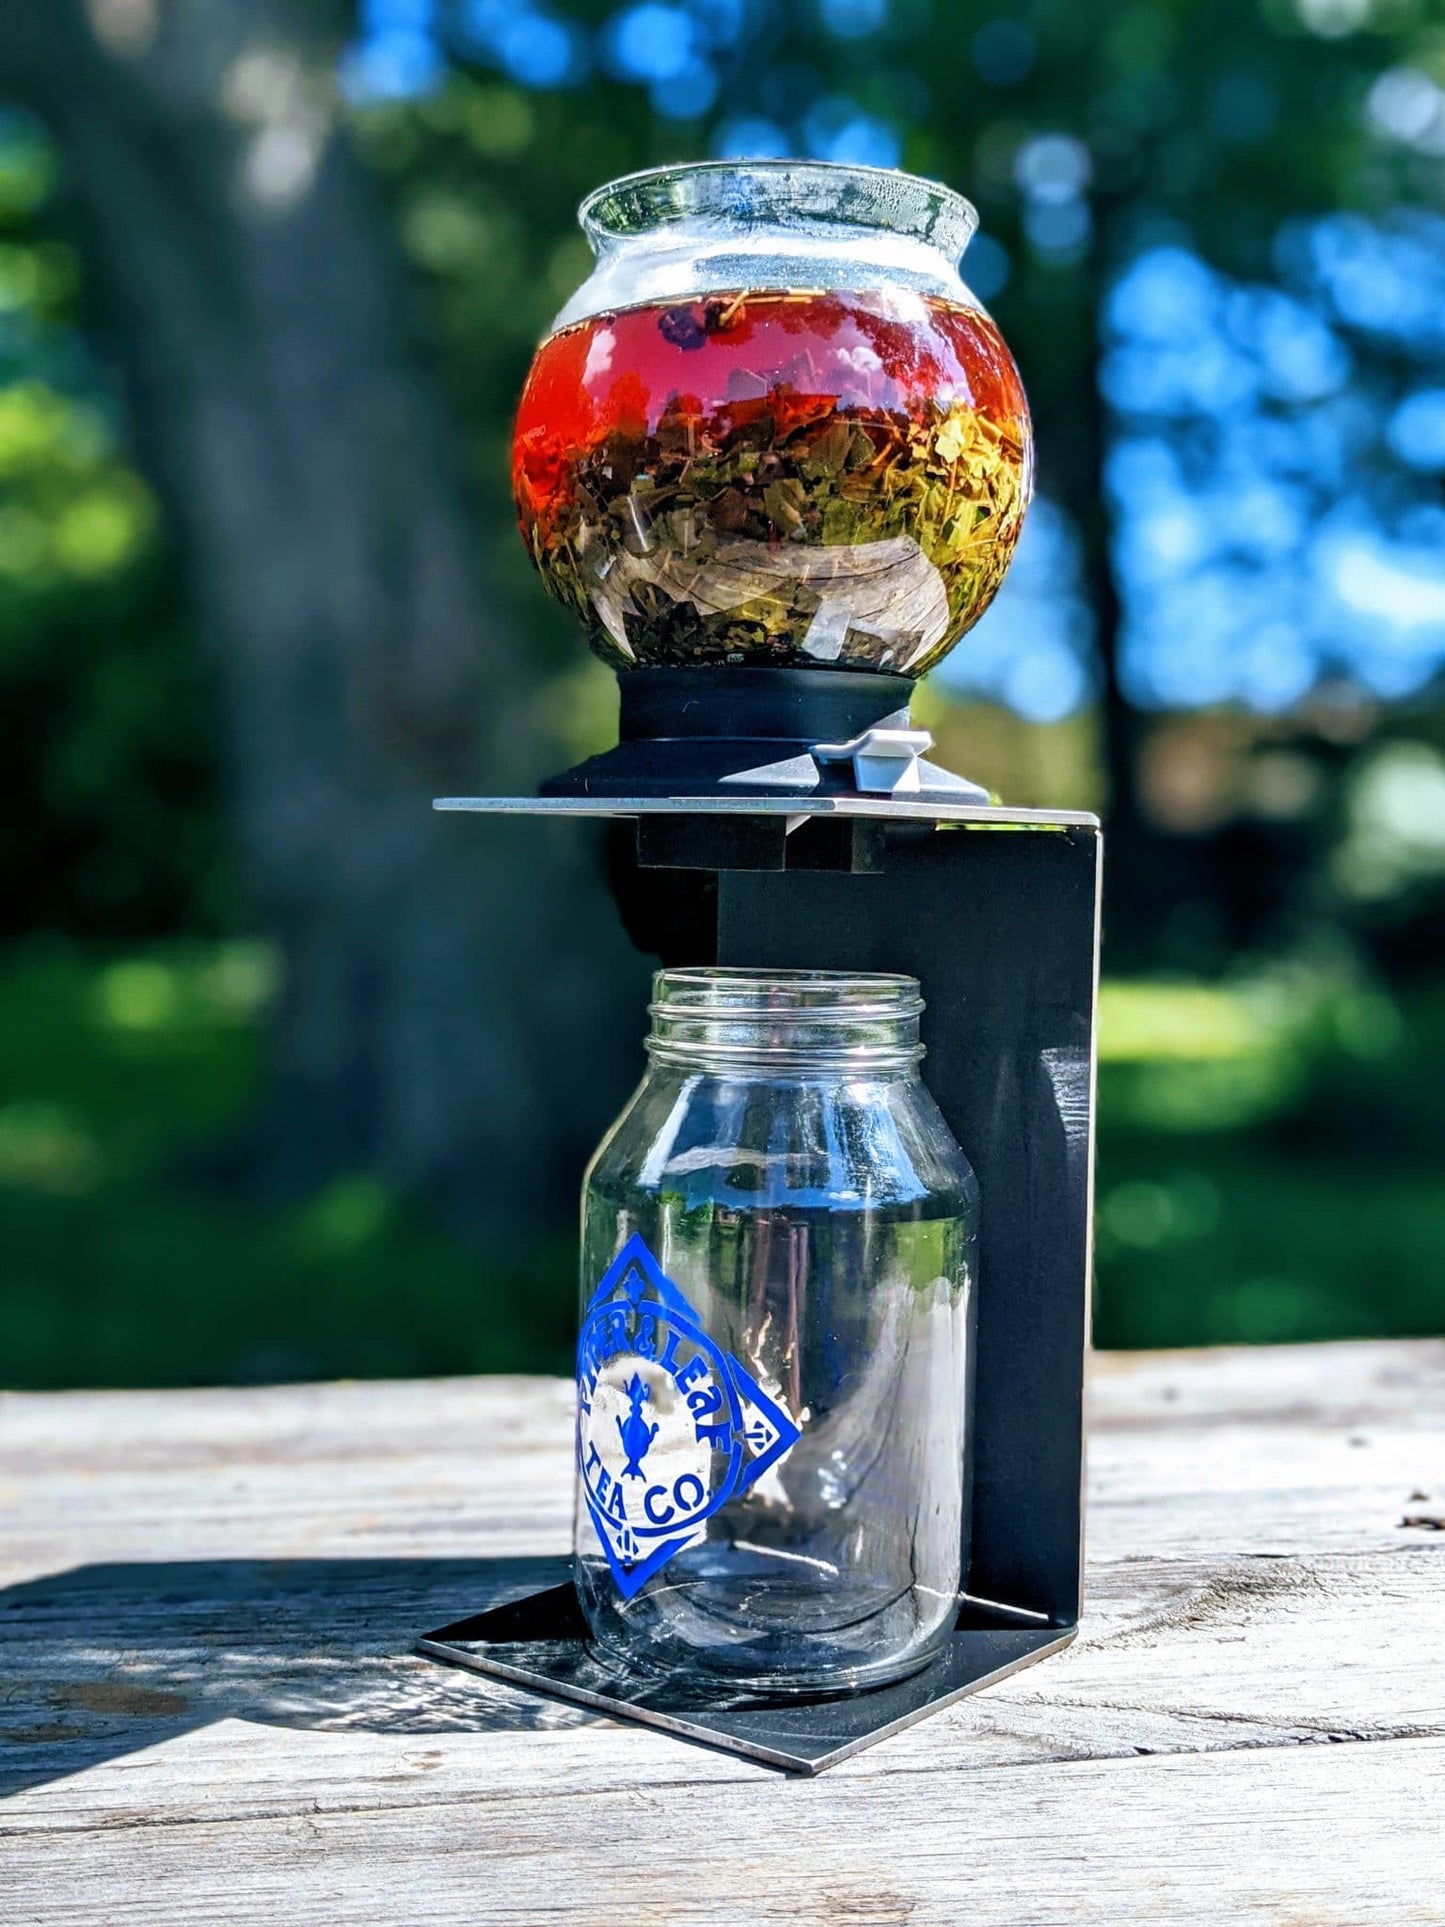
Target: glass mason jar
778 1253
774 427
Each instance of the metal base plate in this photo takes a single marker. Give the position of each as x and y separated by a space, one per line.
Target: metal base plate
540 1642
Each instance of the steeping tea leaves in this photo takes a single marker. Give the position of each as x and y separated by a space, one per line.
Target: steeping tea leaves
781 478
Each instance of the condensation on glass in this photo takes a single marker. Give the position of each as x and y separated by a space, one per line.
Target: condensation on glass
778 1259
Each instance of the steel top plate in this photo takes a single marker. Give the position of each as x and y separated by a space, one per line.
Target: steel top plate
897 809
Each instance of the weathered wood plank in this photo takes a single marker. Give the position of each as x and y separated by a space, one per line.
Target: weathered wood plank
453 1468
1177 1659
1341 1835
206 1601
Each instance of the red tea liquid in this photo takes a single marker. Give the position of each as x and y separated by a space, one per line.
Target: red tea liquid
782 477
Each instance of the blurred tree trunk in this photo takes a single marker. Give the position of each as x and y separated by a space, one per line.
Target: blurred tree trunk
444 1022
1079 446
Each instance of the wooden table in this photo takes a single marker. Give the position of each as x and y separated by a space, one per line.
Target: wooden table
208 1710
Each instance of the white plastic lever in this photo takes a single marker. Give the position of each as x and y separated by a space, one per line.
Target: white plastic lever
885 761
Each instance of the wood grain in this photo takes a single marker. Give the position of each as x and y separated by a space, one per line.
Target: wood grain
208 1709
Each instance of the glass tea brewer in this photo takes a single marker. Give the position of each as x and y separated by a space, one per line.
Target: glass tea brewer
775 457
823 459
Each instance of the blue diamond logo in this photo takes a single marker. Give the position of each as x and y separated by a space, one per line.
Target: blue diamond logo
669 1426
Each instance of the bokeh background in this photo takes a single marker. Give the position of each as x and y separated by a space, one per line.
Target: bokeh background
297 1079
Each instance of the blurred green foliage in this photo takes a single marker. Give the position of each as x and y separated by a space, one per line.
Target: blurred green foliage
1269 1140
127 1260
1268 1169
110 818
1269 1159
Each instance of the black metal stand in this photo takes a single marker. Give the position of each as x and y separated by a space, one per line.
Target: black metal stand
997 913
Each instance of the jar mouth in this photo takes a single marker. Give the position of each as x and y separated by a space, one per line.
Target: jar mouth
821 197
786 1020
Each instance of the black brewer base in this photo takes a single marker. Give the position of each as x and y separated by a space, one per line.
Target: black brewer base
697 731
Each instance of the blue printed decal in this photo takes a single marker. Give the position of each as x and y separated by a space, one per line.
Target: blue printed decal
669 1426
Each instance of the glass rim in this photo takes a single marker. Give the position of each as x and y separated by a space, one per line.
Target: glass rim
893 991
735 1016
797 194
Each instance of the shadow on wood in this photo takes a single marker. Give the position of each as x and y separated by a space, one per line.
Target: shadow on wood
121 1657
